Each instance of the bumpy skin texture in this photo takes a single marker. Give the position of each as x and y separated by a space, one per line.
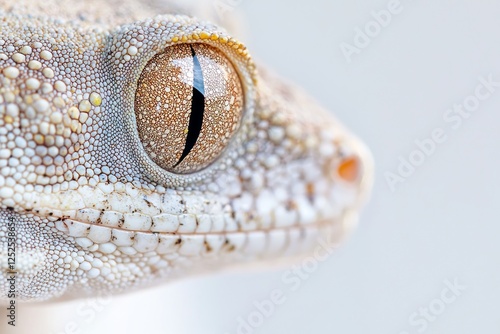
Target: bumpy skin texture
92 211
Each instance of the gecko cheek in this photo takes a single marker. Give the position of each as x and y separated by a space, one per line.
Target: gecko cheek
21 273
33 268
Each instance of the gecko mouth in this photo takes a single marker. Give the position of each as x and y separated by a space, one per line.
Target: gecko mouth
199 251
285 240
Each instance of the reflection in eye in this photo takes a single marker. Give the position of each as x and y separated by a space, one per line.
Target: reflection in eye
197 108
188 105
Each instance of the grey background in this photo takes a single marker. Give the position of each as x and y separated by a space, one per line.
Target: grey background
440 224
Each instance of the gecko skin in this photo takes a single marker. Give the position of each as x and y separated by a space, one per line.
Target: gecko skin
139 144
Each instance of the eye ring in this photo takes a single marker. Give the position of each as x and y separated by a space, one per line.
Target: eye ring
189 103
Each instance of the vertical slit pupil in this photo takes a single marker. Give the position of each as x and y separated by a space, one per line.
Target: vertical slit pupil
197 108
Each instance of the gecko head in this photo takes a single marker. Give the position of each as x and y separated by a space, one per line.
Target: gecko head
140 153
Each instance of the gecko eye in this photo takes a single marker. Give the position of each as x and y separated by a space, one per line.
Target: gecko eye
188 105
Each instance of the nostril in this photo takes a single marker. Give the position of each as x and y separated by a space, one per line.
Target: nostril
349 169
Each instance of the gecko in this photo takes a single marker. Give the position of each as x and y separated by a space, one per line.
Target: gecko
140 144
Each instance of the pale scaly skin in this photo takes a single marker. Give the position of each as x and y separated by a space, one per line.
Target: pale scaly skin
87 202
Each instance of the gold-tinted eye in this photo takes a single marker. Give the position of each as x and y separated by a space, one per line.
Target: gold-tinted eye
188 105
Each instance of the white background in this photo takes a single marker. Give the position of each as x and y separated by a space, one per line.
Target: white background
440 224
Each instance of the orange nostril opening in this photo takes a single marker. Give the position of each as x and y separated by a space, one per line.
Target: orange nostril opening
349 169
